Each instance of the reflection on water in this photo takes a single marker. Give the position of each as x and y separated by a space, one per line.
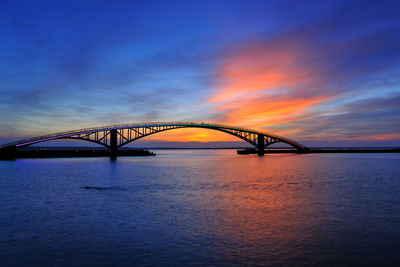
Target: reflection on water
202 207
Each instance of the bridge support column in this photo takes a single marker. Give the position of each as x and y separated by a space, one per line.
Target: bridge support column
113 143
260 144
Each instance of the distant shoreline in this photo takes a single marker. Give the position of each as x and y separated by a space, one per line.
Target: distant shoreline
84 152
313 150
74 153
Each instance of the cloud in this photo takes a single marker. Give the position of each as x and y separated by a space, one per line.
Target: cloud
308 80
369 119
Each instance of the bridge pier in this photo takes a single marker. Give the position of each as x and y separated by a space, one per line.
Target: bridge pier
260 144
113 143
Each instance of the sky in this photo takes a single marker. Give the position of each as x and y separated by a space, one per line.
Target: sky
318 72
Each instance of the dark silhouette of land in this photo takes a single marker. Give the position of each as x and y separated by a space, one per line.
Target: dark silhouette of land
72 153
323 150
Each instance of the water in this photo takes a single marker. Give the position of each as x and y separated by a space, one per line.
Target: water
202 207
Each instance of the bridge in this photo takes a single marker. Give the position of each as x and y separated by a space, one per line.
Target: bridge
115 136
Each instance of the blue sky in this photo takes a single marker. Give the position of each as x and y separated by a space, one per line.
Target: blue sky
316 71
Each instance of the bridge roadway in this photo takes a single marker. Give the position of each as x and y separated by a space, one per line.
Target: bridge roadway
115 136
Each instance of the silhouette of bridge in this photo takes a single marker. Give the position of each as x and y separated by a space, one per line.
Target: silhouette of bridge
115 136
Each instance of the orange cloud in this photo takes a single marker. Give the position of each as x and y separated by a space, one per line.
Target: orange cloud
263 85
269 68
256 112
385 137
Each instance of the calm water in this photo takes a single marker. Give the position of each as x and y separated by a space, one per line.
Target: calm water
202 207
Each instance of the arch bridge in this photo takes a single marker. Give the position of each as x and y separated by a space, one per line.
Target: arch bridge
116 136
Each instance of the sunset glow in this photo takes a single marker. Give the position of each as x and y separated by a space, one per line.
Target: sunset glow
191 135
326 75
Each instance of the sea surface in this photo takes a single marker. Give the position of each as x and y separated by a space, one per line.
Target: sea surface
202 207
